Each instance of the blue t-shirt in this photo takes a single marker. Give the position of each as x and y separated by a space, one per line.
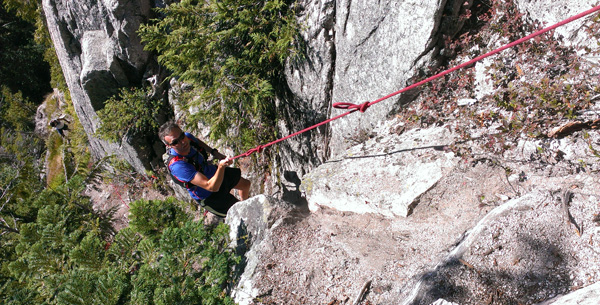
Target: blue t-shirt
186 172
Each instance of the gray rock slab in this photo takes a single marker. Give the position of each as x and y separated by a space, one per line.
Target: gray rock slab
384 175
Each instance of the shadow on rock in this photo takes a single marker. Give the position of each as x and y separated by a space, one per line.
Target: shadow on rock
537 272
292 192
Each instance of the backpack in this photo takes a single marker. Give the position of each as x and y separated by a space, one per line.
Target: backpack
169 159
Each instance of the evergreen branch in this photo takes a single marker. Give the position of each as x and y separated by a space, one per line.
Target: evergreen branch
6 227
8 187
4 194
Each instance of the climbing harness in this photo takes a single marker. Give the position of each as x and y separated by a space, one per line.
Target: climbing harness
363 107
169 159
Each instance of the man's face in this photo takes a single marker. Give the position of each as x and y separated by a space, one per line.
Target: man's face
177 140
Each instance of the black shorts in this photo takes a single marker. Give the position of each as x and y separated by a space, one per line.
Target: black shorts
221 201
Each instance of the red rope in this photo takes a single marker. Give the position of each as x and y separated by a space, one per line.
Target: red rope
366 105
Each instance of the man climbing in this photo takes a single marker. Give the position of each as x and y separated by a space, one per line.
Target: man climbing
210 185
60 126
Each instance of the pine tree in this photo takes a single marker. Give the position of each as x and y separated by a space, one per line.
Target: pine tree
164 257
232 52
23 67
133 112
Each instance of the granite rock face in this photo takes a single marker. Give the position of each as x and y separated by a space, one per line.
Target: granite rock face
356 51
350 46
359 51
379 47
100 52
250 225
478 232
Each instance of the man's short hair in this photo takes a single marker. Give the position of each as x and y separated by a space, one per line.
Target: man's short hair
166 129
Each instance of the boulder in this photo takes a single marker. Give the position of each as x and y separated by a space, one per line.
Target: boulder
251 222
383 175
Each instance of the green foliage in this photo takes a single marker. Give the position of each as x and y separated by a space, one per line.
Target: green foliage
232 52
173 258
24 46
23 68
192 264
76 151
27 10
132 112
105 287
150 217
36 47
30 66
15 110
57 79
55 249
64 254
61 218
20 150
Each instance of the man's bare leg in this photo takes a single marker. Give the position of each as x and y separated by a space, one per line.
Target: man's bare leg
243 188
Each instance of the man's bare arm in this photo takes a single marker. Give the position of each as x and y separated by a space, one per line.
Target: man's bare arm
213 184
